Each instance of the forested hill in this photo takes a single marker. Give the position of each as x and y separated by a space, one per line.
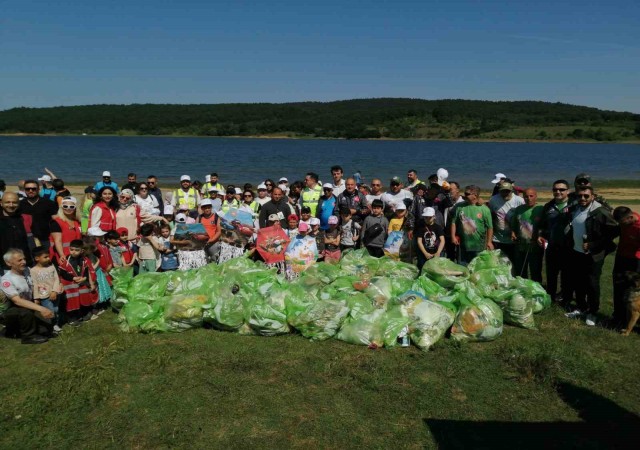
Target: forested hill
351 119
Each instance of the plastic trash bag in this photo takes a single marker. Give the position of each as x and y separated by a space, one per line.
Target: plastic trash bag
266 315
340 288
445 272
427 287
147 287
297 300
184 311
400 285
228 312
359 304
142 316
389 267
489 281
533 291
359 263
321 320
429 320
518 311
122 278
377 329
479 319
489 259
379 291
320 274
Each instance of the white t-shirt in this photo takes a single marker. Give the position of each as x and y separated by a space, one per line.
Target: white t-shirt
339 188
579 228
149 205
391 199
371 198
262 201
13 284
501 210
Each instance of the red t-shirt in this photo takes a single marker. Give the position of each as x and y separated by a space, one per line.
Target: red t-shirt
629 245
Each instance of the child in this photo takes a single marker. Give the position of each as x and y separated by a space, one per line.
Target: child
47 288
168 214
318 235
332 241
148 249
349 230
113 242
374 230
430 238
100 256
77 277
292 231
305 215
168 259
128 249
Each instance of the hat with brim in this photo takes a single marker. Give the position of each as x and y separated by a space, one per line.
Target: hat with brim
428 212
96 231
498 177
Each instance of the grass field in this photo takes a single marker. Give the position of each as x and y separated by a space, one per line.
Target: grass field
96 387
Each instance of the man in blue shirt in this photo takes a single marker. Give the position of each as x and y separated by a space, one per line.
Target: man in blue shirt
106 181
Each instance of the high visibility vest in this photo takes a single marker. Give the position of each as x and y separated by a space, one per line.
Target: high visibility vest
189 198
310 198
226 205
206 186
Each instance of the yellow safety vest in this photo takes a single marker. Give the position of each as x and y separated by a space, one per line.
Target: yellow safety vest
189 198
206 186
310 198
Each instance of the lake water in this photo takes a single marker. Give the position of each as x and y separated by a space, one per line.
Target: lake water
83 158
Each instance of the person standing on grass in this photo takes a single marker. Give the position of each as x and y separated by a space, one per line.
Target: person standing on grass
584 180
394 196
41 210
375 229
472 227
430 237
103 211
338 183
186 195
326 205
152 183
106 182
555 217
311 193
502 206
15 228
591 233
449 215
132 182
412 180
376 192
525 226
627 260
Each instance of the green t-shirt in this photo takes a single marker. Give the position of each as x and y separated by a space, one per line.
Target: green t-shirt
525 222
472 223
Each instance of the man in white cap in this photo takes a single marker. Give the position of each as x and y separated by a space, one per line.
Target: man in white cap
430 237
209 221
187 195
211 180
216 202
106 182
326 205
47 191
263 194
497 179
502 206
283 183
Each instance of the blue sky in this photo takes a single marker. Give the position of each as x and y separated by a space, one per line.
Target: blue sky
81 52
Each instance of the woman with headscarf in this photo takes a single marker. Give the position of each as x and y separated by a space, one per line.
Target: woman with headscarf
128 214
103 211
65 228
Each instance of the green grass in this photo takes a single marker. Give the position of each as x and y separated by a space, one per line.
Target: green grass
95 387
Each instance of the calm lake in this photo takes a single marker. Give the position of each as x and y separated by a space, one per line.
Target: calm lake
83 158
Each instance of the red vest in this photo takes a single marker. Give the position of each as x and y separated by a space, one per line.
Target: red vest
78 295
67 236
108 219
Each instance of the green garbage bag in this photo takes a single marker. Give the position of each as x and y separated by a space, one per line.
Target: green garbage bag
379 291
228 312
122 277
400 285
488 282
359 304
359 263
320 274
429 320
134 316
266 315
489 259
378 328
478 319
427 287
297 300
260 282
395 321
188 282
147 287
321 320
518 311
533 291
445 272
341 288
184 311
389 267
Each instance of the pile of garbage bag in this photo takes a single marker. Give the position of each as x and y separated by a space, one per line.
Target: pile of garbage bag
362 300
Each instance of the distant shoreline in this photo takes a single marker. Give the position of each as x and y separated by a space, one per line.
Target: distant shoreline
303 138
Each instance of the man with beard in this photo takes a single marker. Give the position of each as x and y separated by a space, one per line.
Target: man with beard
40 209
279 206
352 198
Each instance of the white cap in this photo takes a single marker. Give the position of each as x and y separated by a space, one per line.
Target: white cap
238 191
44 178
206 202
401 206
283 179
207 178
428 212
499 176
106 173
185 178
96 231
70 199
327 186
443 174
183 207
262 186
168 209
181 218
214 189
314 221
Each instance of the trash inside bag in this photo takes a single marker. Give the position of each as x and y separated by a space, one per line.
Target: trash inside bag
429 320
321 320
184 311
445 272
479 319
489 259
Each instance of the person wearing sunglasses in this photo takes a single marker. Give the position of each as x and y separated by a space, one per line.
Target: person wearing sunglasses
472 227
42 210
591 233
249 204
582 180
154 190
551 237
65 228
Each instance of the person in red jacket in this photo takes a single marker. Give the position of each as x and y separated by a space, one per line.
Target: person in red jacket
627 260
103 211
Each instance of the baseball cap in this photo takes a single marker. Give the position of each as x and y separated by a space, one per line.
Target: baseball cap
443 175
207 178
333 220
292 217
314 221
396 180
213 189
96 231
401 206
46 178
89 190
283 179
70 199
238 191
273 217
122 230
583 177
499 176
185 178
506 186
303 227
106 173
262 187
183 207
327 186
428 212
168 209
181 218
206 202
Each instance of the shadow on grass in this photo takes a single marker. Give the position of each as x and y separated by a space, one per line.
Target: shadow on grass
604 425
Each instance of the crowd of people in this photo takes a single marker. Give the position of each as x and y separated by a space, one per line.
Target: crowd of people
59 251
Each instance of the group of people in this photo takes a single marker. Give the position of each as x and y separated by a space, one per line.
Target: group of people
71 246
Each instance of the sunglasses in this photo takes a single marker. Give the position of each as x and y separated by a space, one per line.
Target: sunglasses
327 189
584 195
68 207
395 184
268 184
559 189
143 189
467 194
31 189
151 182
248 196
376 184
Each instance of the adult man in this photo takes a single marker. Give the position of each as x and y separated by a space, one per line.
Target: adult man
448 216
374 230
418 205
352 199
338 183
555 218
627 260
394 196
22 317
106 181
14 228
263 196
47 190
502 206
152 182
582 180
376 191
472 227
41 211
230 200
212 182
311 193
412 180
278 205
326 205
132 183
525 225
591 234
216 203
497 180
186 195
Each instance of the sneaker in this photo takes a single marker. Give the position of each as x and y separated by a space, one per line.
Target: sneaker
591 320
35 339
93 317
575 314
101 311
57 329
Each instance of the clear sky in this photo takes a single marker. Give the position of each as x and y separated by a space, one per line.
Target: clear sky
583 52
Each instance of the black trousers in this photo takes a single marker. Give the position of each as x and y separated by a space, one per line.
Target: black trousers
558 259
376 252
620 286
23 322
585 277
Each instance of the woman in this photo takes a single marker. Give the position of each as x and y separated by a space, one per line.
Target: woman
249 204
65 228
270 184
89 198
148 204
128 214
103 211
